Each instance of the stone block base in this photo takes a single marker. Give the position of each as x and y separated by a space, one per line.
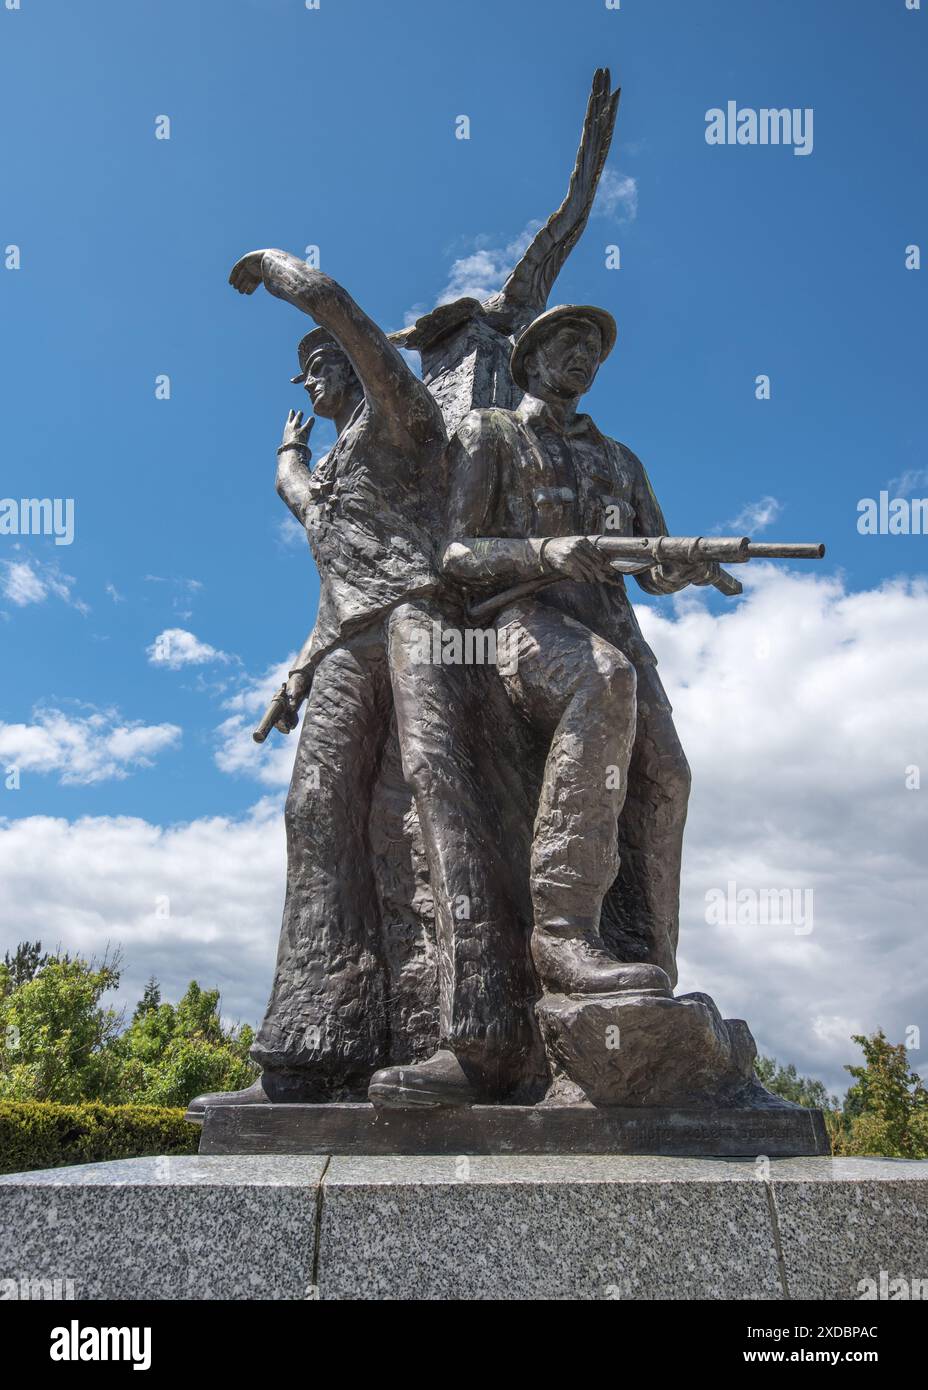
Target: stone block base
177 1228
466 1227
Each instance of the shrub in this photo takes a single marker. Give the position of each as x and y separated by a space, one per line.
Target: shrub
43 1134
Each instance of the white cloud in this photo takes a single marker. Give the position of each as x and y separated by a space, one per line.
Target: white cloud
271 762
835 1030
22 585
199 900
911 481
800 707
175 647
91 748
482 271
183 591
31 581
290 533
753 517
180 582
617 196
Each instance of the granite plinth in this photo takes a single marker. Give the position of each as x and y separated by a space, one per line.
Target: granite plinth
530 1227
183 1227
467 1227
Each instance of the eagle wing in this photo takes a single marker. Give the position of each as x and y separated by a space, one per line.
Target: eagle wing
527 289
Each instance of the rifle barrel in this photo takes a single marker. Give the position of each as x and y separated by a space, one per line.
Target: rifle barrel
786 550
674 548
677 549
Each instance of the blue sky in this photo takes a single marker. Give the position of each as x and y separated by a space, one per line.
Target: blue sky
335 127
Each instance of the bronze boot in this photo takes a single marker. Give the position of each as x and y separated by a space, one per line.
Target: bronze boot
571 959
440 1080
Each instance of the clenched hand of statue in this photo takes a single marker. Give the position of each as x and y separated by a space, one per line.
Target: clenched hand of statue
245 275
296 690
678 575
576 557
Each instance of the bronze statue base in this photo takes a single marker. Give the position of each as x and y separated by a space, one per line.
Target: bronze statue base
742 1131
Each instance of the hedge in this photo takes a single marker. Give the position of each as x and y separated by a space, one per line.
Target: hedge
42 1134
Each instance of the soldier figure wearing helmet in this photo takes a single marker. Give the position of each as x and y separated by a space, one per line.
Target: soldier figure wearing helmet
527 488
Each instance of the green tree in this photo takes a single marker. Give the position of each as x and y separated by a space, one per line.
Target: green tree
59 1042
172 1054
786 1082
25 963
150 1000
56 1038
886 1110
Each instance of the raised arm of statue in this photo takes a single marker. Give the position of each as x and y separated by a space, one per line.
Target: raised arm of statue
394 393
294 480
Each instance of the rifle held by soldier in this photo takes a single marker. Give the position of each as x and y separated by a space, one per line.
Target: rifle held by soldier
276 716
634 554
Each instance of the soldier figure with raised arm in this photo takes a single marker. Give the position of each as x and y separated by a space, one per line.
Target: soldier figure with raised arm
374 510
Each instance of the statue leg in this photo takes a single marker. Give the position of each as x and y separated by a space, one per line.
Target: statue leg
489 1043
651 827
580 690
326 1020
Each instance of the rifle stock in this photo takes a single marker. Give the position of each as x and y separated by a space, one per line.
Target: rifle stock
275 711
